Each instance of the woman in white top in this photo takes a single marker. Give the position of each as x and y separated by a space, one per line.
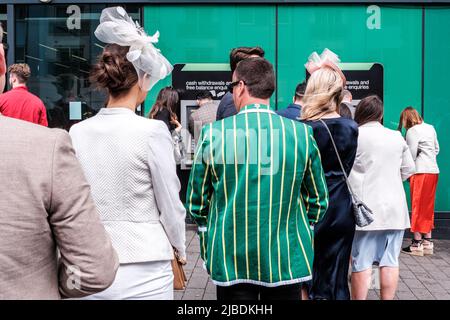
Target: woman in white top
382 163
422 141
128 161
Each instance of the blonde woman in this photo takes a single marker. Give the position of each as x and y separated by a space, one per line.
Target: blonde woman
422 141
333 236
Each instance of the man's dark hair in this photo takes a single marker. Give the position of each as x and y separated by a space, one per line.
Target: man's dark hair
242 53
344 111
113 71
300 90
258 75
369 109
205 94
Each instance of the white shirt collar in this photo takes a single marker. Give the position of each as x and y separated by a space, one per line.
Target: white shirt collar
113 111
372 124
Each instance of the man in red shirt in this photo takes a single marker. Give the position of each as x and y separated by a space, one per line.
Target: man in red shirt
19 103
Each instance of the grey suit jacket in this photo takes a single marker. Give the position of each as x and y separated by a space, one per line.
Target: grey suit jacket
203 115
46 210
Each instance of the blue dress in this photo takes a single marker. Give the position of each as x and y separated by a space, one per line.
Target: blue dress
333 236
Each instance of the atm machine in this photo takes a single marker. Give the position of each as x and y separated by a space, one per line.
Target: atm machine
189 80
363 79
186 108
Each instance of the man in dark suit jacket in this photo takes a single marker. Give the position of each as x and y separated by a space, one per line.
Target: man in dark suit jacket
294 110
226 107
45 205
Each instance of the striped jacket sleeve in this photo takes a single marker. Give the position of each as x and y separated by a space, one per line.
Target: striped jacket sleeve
199 189
314 188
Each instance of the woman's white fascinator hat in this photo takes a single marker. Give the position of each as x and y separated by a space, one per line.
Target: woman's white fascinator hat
117 27
327 59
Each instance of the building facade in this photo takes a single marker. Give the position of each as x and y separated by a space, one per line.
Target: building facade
411 41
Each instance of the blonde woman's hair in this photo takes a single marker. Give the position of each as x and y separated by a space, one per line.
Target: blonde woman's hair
1 33
323 94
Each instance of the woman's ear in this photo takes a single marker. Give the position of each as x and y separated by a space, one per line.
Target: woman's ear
142 95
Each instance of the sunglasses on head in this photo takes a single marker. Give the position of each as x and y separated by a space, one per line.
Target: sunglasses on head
234 84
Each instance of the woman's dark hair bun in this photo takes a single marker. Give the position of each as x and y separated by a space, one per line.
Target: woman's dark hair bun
113 71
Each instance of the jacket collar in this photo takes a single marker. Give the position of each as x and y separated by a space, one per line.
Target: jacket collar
295 106
20 88
255 106
372 124
115 111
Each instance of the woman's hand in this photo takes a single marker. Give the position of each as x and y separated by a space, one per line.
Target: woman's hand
179 259
177 124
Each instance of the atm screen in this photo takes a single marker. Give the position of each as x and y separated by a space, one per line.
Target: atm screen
189 110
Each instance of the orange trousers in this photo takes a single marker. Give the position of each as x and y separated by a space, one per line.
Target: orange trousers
423 194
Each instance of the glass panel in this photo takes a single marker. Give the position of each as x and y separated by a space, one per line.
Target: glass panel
4 25
58 43
206 34
351 32
3 21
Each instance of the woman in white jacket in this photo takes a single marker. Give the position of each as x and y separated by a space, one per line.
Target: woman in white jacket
383 162
128 161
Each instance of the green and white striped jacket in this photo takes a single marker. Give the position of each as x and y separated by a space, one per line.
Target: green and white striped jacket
256 187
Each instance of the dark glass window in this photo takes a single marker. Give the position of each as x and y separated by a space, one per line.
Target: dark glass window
3 22
5 31
58 43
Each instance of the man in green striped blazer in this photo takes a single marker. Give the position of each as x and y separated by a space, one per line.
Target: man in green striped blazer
256 189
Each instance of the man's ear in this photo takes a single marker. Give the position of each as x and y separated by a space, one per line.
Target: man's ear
244 89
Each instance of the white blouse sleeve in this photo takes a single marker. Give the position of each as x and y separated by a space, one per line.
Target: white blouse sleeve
166 187
436 143
408 167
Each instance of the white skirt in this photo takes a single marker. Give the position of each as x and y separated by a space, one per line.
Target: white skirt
140 281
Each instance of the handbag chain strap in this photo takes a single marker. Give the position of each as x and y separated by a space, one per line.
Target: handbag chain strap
339 158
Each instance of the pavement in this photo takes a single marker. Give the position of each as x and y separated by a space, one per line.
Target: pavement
421 278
